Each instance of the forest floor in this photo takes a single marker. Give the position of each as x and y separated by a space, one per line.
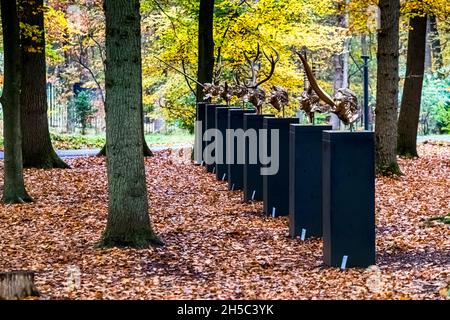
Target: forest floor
218 247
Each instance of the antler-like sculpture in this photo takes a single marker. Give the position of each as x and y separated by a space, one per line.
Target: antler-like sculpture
310 101
214 89
344 103
226 93
240 90
256 95
211 90
278 98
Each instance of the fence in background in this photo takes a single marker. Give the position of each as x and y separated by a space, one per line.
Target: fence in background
61 121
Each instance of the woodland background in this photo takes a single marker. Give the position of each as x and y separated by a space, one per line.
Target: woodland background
334 33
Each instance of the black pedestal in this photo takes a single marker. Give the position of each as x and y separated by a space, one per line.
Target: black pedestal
253 180
221 154
348 198
305 180
276 186
200 129
236 163
211 124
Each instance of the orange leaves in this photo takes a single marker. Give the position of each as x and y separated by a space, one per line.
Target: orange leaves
217 246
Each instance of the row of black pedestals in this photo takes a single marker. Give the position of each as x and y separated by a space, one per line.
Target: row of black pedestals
325 180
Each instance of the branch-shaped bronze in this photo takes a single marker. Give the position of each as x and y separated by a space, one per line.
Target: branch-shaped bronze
344 103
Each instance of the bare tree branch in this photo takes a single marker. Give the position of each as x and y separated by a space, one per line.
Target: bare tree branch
186 78
84 65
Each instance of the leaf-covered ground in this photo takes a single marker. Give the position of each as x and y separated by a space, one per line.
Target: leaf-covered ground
217 246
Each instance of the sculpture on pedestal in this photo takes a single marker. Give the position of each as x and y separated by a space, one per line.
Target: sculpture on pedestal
278 98
344 103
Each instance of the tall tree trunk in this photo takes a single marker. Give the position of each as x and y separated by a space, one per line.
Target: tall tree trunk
435 43
408 120
205 45
387 88
341 61
145 148
428 57
128 221
37 147
14 186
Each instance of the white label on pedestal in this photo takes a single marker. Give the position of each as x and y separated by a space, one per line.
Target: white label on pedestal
214 170
224 176
344 262
253 194
302 237
203 162
232 187
273 212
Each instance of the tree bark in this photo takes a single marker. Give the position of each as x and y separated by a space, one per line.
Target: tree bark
435 42
17 285
387 88
428 57
145 148
14 186
340 61
37 147
205 45
128 222
408 121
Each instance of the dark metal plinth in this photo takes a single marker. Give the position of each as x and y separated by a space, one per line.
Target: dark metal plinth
276 186
221 154
200 116
253 180
348 199
235 164
305 180
211 124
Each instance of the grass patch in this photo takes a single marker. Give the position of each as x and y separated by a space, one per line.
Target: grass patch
169 139
445 219
76 141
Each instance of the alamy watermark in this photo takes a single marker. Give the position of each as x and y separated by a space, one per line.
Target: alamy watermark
263 147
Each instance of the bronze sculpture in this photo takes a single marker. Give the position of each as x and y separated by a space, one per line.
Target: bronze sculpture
278 98
226 93
254 93
344 103
310 104
346 106
211 90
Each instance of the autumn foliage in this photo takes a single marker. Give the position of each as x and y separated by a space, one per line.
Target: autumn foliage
217 246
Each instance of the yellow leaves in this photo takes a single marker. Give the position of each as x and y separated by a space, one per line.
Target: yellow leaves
405 296
34 49
440 8
56 24
281 25
445 292
30 32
